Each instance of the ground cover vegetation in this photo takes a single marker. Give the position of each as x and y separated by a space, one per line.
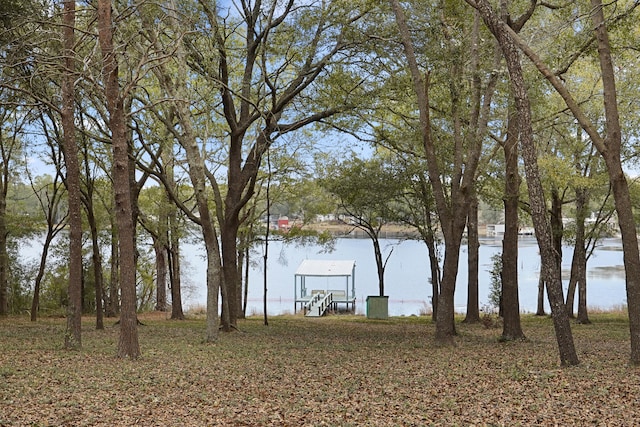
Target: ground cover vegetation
338 371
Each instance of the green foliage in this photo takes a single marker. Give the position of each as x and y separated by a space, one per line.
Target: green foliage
54 296
20 280
366 189
146 282
304 236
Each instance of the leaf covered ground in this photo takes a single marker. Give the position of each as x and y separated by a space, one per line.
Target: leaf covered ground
333 371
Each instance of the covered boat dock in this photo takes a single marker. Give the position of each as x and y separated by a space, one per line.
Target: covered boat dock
320 285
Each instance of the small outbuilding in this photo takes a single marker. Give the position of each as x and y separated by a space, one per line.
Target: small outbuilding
335 277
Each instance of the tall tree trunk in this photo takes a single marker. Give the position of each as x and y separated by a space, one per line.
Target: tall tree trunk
445 325
473 245
510 302
557 231
609 148
73 339
549 268
611 154
540 307
265 258
162 246
244 239
198 177
580 254
128 345
435 275
430 241
160 251
96 257
453 213
35 302
97 266
50 204
377 253
247 268
5 174
557 227
573 285
113 303
176 283
4 257
228 237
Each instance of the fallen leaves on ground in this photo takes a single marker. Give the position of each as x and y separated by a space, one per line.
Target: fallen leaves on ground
333 371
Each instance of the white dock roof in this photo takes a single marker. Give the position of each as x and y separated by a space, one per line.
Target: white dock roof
317 267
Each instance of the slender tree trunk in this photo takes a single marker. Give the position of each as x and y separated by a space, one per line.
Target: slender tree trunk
53 229
160 250
176 283
4 259
265 287
580 255
435 276
97 264
198 179
541 284
113 305
557 227
228 238
613 142
244 264
4 233
583 316
244 242
452 214
473 299
580 228
247 268
35 302
609 147
167 225
445 325
573 285
557 231
98 276
4 256
128 346
549 268
510 302
73 339
377 253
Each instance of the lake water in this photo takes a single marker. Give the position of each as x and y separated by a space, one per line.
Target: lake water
406 278
407 275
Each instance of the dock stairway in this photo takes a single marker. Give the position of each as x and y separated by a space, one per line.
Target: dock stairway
318 305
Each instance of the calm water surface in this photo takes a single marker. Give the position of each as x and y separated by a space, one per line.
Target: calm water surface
407 275
406 278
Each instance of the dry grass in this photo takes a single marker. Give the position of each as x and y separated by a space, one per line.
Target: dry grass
334 371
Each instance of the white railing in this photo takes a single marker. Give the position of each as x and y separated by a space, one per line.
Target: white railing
321 302
311 302
325 303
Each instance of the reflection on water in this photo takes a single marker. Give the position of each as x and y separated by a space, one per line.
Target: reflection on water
607 272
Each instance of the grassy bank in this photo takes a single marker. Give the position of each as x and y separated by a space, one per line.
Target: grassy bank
336 371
